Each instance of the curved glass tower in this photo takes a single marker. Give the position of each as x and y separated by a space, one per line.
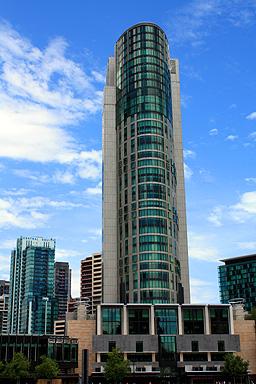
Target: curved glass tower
144 220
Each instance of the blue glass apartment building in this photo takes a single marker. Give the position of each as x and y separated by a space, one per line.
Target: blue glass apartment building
32 306
145 256
237 280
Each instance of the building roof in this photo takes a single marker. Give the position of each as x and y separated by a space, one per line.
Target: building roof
238 259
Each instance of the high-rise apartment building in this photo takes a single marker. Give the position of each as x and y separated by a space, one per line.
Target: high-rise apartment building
237 280
62 287
32 307
4 287
4 297
3 313
91 281
145 257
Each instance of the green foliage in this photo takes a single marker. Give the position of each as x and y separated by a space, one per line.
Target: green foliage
251 315
235 366
2 367
116 367
18 367
48 369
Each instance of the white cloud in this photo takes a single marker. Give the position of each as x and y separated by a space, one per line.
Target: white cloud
188 153
232 106
206 175
247 203
244 210
87 165
96 232
16 192
216 216
210 254
203 292
32 175
253 135
196 20
231 137
24 212
251 179
213 131
8 244
95 190
99 76
252 116
63 177
41 93
187 172
75 282
247 245
4 262
65 254
200 249
184 100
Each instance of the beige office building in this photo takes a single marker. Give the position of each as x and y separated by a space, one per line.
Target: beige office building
145 253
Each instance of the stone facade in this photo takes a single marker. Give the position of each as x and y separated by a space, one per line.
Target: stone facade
84 330
246 330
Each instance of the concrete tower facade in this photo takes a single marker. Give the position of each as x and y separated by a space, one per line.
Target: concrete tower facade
145 256
91 281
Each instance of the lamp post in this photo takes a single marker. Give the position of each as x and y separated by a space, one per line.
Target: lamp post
45 314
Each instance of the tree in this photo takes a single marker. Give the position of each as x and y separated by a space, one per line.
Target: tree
235 366
116 367
48 369
251 315
2 366
17 368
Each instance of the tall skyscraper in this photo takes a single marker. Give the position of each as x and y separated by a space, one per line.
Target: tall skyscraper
32 307
145 253
62 287
91 281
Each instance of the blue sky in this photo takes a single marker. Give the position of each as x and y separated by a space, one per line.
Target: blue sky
53 58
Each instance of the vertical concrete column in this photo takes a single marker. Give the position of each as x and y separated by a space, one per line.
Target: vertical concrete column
180 329
109 214
152 319
209 356
207 320
125 320
181 357
99 320
153 357
178 158
231 321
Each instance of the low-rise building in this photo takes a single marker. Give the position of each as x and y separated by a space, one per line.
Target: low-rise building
166 340
62 349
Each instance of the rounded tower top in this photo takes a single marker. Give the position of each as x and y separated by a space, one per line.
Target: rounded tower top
146 23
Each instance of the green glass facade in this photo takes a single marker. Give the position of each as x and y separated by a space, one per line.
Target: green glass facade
32 307
237 280
148 219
